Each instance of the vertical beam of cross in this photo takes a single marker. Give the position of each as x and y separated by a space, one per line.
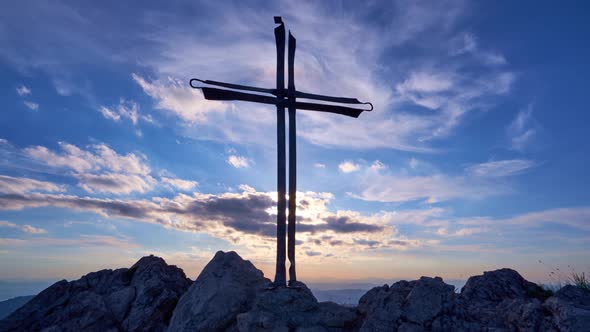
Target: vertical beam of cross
280 274
283 98
292 160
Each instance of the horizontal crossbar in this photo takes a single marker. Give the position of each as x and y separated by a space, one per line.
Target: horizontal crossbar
220 94
286 93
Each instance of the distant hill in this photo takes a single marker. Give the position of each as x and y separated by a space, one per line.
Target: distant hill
348 297
9 306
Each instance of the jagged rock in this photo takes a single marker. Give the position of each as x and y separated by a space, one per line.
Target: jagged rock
406 305
295 309
497 286
141 298
226 287
500 299
232 295
570 308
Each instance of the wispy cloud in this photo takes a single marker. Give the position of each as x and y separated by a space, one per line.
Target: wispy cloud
25 228
184 185
467 44
349 167
126 109
176 96
238 161
501 168
32 105
99 168
330 65
81 241
23 90
523 129
378 183
18 185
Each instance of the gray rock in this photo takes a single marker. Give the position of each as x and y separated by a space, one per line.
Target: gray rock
497 286
226 287
499 300
570 308
281 309
429 298
141 298
406 305
295 309
232 295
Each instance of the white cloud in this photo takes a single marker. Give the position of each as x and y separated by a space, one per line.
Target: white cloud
377 165
501 168
176 96
461 232
184 185
125 109
31 105
377 184
33 230
523 129
238 161
424 82
115 183
109 114
319 165
466 43
99 168
349 167
25 228
243 52
15 185
247 188
97 157
23 90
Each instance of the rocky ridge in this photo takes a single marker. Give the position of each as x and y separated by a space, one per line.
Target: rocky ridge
231 294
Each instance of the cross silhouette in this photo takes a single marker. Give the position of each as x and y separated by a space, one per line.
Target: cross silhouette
283 98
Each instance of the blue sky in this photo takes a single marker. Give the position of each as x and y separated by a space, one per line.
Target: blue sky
474 158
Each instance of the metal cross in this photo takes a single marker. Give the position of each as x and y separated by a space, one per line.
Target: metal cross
283 98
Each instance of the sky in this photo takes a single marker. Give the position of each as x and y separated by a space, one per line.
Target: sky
475 157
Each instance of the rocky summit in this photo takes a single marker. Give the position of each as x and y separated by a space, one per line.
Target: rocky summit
231 294
140 298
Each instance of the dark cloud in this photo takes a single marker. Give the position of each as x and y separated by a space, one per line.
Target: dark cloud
399 242
342 224
369 243
312 253
245 213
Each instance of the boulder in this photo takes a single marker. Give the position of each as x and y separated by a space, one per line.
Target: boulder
570 309
226 287
500 300
497 286
406 305
295 309
141 298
